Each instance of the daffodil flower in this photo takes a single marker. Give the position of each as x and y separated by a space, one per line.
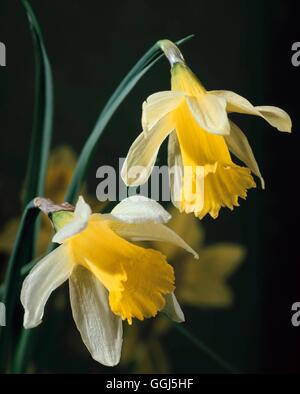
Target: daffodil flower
110 278
200 136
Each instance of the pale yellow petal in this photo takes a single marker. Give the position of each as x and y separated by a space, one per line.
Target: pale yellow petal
158 233
100 329
186 225
140 209
238 145
172 309
208 110
210 113
275 116
175 168
48 274
143 152
158 105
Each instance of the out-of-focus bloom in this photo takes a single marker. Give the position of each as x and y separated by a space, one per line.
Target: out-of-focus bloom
201 136
110 278
61 165
202 285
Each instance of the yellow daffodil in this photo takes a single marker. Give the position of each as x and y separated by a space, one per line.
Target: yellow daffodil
110 278
201 136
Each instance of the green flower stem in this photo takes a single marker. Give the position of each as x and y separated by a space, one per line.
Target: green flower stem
23 352
206 350
43 113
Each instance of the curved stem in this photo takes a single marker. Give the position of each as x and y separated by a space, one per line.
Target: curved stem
206 350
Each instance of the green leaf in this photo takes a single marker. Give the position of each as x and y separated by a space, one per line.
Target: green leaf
124 88
43 113
22 252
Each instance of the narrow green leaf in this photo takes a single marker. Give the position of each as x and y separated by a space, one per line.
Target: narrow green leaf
124 88
22 252
43 113
24 350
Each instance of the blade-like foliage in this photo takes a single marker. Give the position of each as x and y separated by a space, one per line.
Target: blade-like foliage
23 249
43 113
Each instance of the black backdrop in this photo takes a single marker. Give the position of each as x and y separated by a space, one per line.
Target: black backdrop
244 46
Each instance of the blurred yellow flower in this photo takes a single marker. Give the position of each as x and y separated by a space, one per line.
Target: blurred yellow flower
201 284
203 176
61 165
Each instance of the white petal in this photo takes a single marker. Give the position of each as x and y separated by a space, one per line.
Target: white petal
140 209
175 168
46 276
100 329
142 153
159 105
238 144
172 309
82 209
149 232
275 116
81 217
210 113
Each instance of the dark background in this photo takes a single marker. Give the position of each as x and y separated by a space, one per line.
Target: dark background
244 46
